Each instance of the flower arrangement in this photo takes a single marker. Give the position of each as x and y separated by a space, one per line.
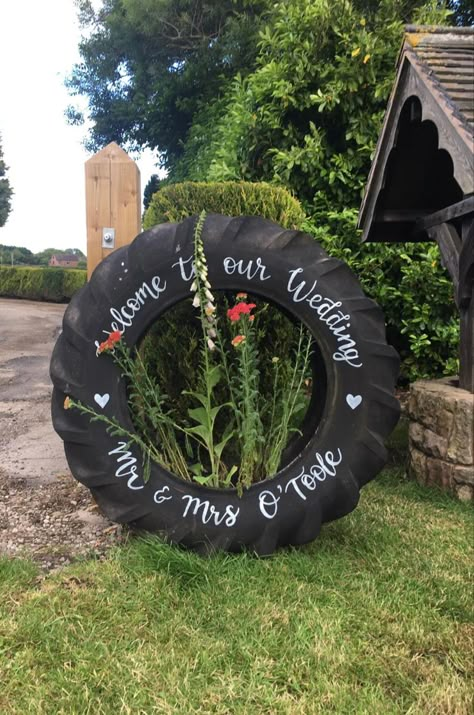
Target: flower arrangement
234 433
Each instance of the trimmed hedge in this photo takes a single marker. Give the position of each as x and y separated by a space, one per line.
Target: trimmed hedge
51 284
175 202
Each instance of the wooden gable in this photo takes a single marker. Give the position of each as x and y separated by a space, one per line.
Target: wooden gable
421 184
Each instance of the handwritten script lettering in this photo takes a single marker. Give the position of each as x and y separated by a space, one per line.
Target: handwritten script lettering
325 467
250 269
129 466
306 481
268 503
159 496
326 310
207 511
124 316
186 268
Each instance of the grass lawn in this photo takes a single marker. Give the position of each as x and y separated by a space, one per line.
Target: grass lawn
376 616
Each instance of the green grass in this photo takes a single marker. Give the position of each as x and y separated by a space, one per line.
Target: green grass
374 617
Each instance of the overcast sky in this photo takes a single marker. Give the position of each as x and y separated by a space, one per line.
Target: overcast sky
38 47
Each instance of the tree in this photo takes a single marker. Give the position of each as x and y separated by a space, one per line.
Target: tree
309 115
463 12
5 190
152 70
152 186
16 255
148 65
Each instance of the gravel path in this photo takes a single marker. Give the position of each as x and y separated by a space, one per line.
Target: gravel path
44 513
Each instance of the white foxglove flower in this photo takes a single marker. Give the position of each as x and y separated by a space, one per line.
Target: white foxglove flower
196 301
193 286
209 295
211 345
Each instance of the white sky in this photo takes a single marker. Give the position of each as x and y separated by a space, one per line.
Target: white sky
38 47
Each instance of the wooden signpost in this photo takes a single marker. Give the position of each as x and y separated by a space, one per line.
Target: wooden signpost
112 203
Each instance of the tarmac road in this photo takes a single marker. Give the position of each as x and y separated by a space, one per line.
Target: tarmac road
29 446
45 513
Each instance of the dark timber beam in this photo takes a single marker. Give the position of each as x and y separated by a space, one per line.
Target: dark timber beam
449 244
458 258
466 307
462 208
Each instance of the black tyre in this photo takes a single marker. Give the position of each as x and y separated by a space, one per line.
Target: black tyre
343 442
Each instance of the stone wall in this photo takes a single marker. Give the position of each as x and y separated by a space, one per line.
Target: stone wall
441 436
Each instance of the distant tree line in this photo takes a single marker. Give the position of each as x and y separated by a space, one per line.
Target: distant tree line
20 256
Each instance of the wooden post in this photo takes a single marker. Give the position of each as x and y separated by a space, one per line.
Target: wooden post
466 306
113 199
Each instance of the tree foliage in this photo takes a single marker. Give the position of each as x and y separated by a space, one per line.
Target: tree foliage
19 255
166 73
309 115
149 65
5 190
152 187
16 255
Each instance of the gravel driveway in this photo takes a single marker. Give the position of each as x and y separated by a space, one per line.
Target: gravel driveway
44 512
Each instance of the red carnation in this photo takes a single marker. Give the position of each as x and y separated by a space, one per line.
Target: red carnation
240 309
110 343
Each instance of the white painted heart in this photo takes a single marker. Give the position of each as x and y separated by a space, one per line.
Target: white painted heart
101 399
353 401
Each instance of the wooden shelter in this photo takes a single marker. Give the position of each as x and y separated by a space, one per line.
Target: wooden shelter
421 184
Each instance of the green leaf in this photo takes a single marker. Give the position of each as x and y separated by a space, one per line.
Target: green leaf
201 431
198 395
230 474
203 480
196 469
214 375
200 415
219 448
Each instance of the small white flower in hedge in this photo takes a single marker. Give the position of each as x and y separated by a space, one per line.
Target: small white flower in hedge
209 309
210 344
196 301
193 288
209 295
212 333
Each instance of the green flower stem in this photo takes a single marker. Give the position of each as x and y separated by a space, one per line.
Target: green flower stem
117 429
232 393
148 393
200 272
251 432
289 396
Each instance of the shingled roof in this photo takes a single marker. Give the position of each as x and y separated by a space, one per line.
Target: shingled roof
446 54
411 176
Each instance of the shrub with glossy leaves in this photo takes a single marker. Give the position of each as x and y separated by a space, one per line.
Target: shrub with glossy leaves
413 289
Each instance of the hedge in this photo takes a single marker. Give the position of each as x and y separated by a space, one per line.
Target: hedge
175 202
51 284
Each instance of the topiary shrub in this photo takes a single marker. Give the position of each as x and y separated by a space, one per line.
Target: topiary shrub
176 202
57 285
